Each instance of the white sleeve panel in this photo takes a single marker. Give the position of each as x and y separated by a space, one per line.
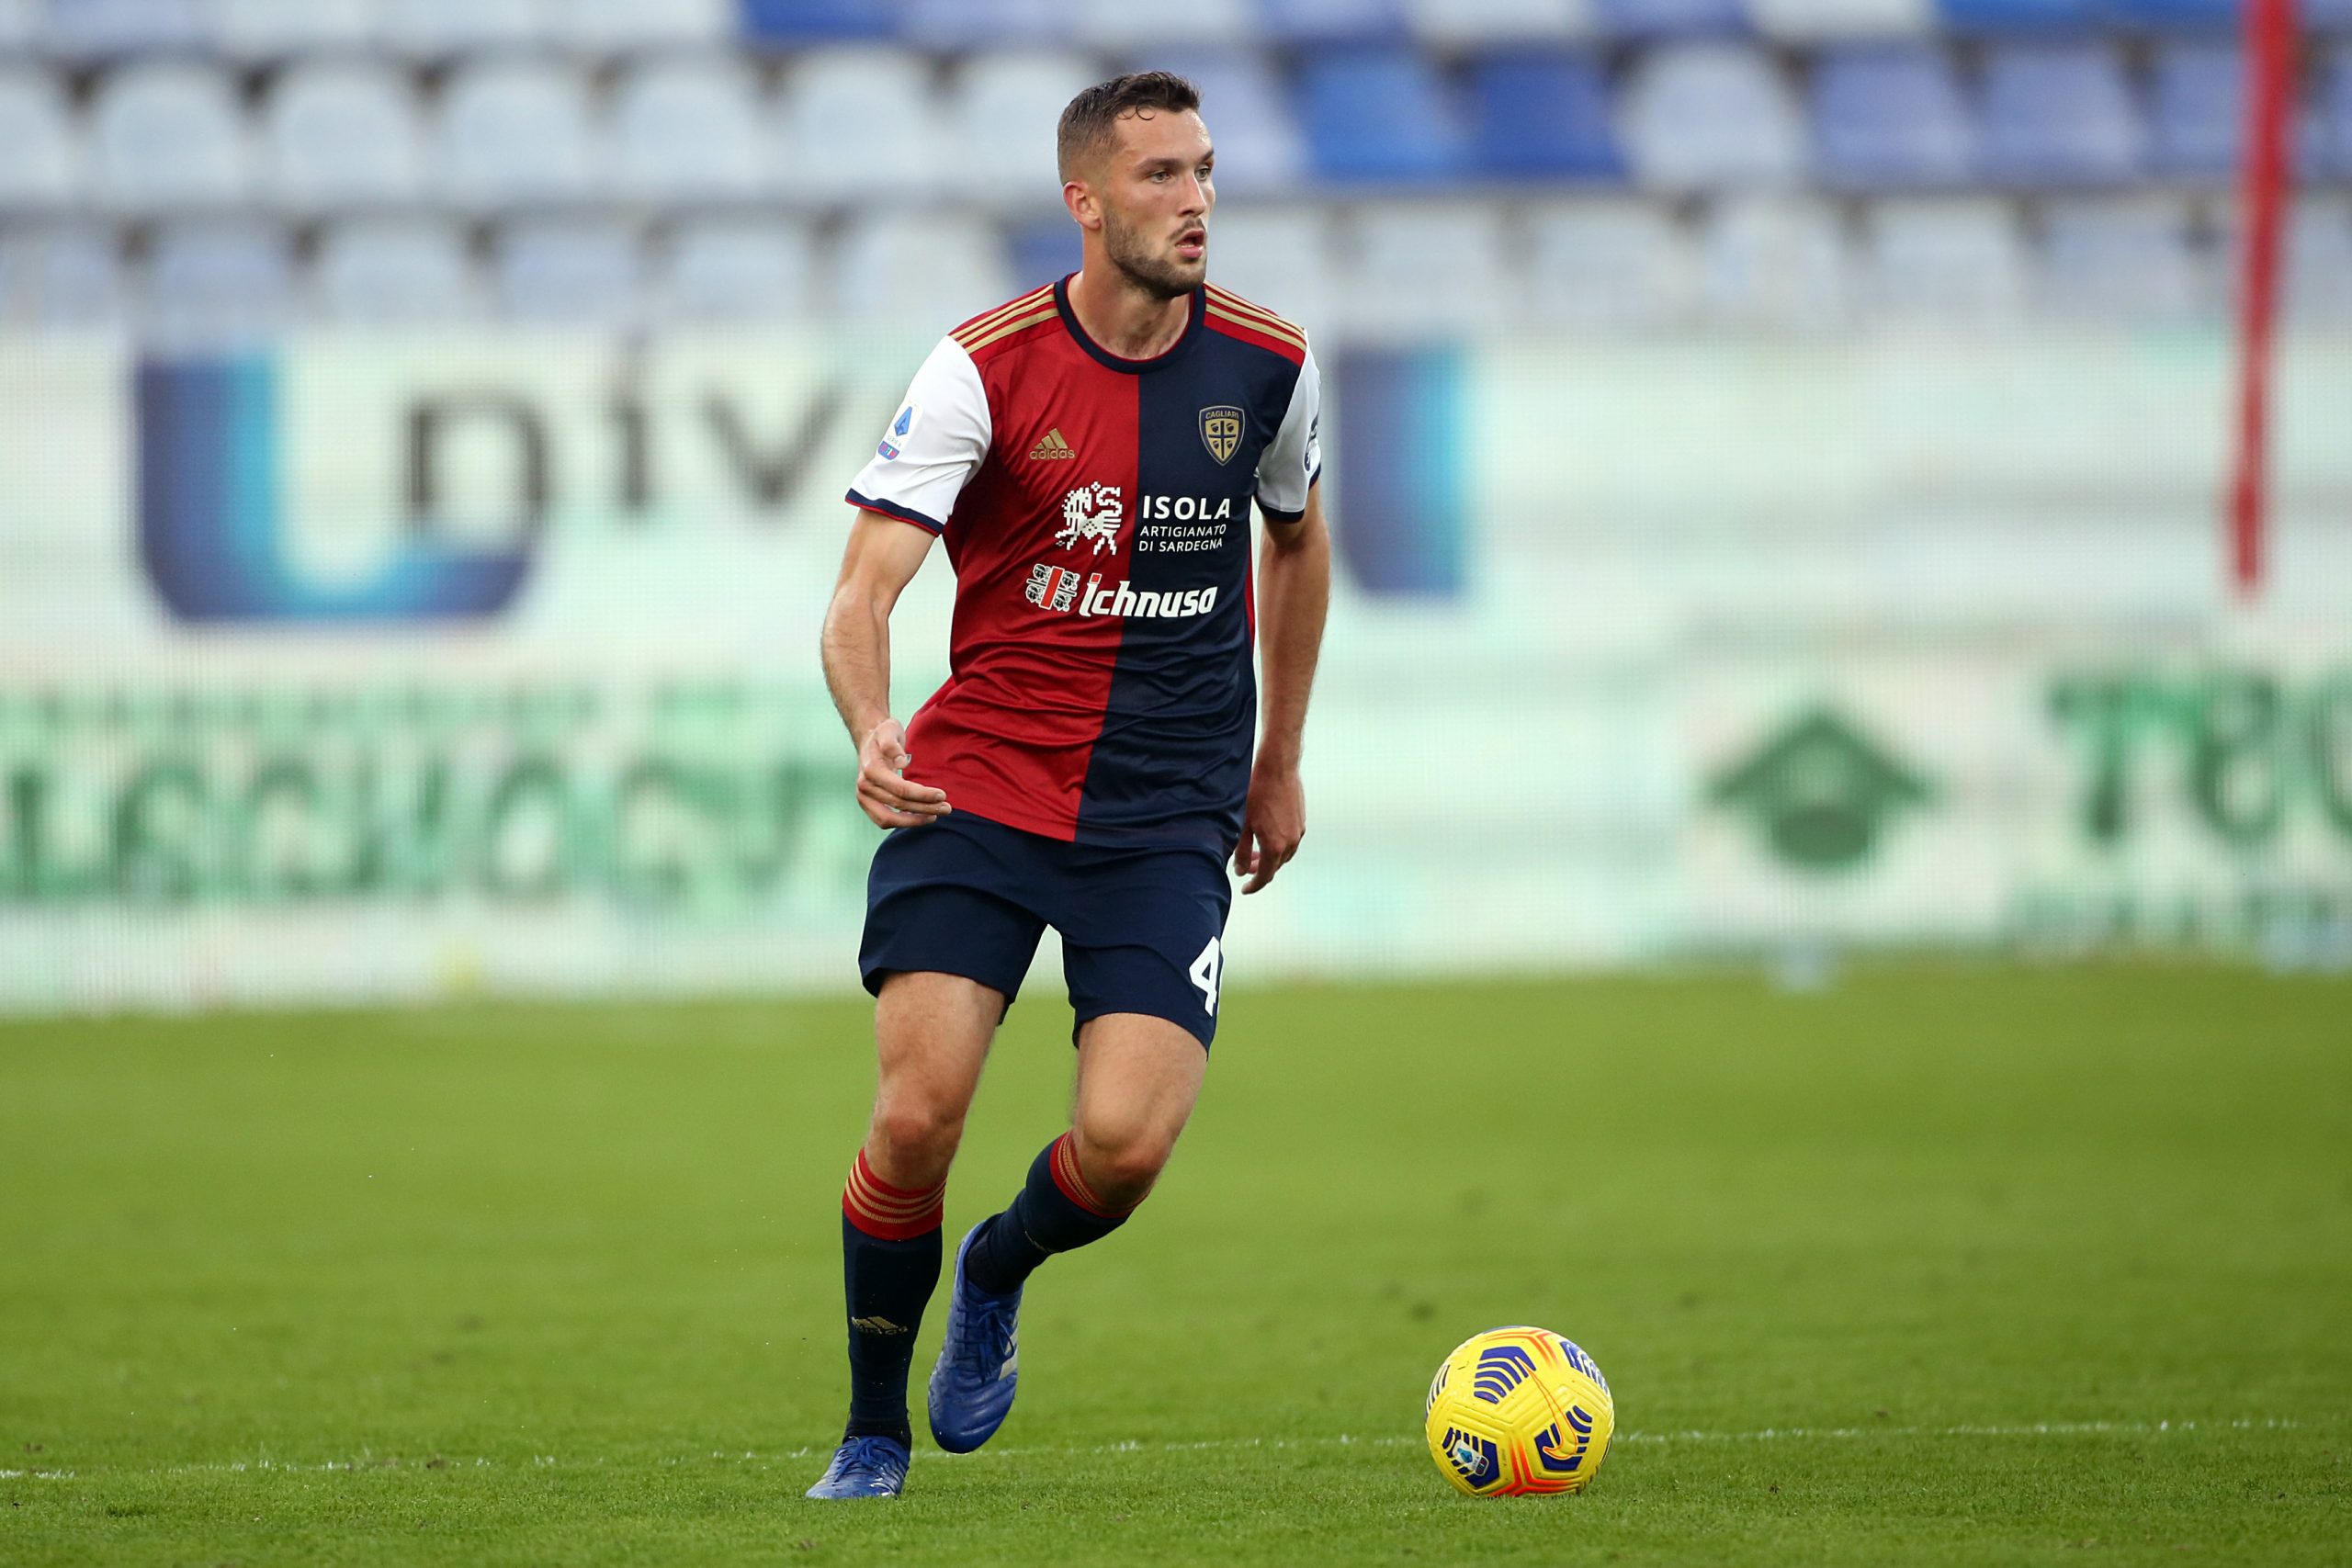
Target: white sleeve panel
1293 460
932 445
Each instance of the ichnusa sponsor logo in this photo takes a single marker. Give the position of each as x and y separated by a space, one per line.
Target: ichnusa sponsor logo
1058 588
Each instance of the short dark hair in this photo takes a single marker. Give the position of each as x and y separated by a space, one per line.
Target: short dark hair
1086 124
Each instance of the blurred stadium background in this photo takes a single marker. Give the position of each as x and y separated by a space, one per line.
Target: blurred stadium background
1782 460
1785 464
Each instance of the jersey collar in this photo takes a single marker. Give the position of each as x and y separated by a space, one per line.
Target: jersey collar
1130 367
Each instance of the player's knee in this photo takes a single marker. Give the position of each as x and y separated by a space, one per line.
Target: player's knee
1122 1163
918 1134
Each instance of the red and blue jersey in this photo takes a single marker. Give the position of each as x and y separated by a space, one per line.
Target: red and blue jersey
1096 512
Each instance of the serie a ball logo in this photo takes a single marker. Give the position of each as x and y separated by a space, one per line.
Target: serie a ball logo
1518 1410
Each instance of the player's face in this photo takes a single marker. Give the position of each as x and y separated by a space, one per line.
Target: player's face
1156 195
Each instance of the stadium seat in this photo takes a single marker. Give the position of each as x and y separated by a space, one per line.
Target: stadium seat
793 23
1670 18
1277 257
433 29
2059 115
1615 263
860 124
2332 117
20 29
1330 21
2126 258
218 278
1777 262
42 167
982 24
691 129
2219 18
737 269
395 271
1042 249
2195 105
921 271
1248 112
1002 114
1461 24
574 271
1412 268
169 136
1998 17
2319 261
1379 114
1706 115
515 133
631 27
1124 25
338 133
66 277
1959 260
1547 115
1890 118
1825 21
272 29
100 29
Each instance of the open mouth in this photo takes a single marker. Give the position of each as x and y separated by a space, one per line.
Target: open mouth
1192 243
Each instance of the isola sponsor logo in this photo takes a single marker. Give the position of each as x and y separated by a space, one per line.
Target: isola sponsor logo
1060 588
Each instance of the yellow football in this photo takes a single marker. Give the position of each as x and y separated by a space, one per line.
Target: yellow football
1515 1411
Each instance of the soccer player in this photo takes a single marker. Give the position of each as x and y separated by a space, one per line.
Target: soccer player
1089 453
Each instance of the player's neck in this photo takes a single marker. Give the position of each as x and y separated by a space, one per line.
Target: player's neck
1123 319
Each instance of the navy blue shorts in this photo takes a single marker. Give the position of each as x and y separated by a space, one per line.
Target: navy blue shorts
1142 929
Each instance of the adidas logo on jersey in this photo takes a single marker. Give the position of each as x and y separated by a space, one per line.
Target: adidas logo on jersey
1053 446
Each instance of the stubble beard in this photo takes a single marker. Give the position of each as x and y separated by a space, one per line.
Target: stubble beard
1163 277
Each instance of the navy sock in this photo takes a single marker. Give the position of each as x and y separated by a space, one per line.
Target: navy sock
1054 1211
890 1256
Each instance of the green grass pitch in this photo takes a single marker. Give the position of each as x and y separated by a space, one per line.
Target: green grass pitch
1944 1264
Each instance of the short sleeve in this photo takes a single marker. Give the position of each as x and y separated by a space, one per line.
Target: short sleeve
932 445
1293 460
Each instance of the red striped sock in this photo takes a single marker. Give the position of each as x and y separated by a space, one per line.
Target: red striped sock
1072 1180
893 1214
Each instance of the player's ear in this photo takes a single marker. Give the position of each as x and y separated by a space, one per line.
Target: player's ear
1078 197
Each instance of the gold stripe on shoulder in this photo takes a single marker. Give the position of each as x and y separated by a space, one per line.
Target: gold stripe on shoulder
1259 324
1262 319
1018 323
1240 305
982 324
1022 303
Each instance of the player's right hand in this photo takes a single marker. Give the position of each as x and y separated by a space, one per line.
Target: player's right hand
884 793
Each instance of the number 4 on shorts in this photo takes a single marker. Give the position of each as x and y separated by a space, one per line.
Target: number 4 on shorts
1205 972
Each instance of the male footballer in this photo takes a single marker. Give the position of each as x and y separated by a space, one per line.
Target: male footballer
1089 452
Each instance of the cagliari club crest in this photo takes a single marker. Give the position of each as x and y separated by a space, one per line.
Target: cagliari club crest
1221 429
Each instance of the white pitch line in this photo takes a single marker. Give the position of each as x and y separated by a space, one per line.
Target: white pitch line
1131 1446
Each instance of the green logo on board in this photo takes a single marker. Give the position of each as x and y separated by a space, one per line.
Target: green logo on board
1821 791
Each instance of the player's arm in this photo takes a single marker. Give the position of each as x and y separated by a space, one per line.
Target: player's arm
1294 592
904 497
881 560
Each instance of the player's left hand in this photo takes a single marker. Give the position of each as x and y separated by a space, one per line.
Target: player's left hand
1272 823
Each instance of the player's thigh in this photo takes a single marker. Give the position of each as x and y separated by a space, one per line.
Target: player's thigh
1145 934
1138 1078
931 1033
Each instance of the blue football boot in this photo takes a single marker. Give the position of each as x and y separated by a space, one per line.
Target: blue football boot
865 1467
978 1366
